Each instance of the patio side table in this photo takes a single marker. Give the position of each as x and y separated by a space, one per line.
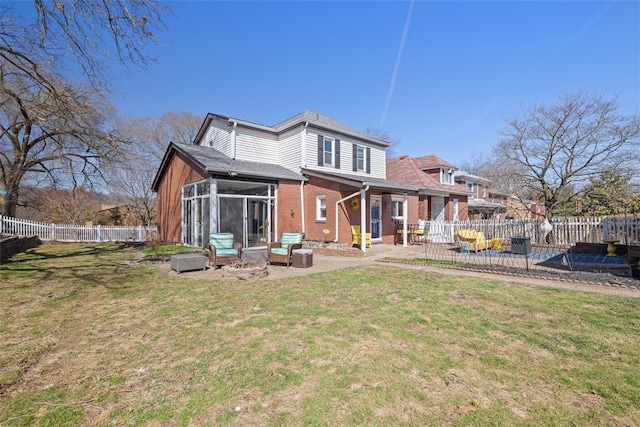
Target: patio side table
302 258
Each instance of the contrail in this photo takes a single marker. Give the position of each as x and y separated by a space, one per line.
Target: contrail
395 68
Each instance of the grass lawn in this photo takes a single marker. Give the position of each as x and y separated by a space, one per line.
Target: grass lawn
88 338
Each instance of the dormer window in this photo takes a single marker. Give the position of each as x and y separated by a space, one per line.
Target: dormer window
446 176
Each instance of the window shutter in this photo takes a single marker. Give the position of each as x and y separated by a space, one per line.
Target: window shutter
337 151
355 158
368 160
320 150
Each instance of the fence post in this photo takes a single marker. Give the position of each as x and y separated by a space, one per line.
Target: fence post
99 227
53 231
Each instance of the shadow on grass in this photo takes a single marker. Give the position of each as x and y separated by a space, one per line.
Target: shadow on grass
88 264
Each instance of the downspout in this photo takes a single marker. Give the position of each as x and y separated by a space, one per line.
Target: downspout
361 191
234 126
302 205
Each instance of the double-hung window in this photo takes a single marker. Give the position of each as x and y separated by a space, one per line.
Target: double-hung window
321 207
328 151
360 158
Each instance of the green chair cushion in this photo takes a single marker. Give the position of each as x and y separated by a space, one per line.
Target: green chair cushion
290 239
221 241
226 252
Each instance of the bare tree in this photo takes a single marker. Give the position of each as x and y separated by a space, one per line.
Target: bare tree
383 134
552 149
76 206
91 31
148 139
58 134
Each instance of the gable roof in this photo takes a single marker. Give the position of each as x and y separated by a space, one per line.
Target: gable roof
432 161
308 117
214 162
407 169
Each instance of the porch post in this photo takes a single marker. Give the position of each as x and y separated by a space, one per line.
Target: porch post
405 211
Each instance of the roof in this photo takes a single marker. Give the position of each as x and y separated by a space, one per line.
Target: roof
407 169
460 174
214 162
359 181
432 161
311 118
480 205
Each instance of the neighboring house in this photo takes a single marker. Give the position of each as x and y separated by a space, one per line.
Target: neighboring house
125 215
440 196
309 174
481 204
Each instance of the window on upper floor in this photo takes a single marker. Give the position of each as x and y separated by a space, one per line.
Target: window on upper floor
361 159
321 207
469 185
328 151
446 176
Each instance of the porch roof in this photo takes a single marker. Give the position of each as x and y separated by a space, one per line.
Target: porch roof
213 161
483 205
359 181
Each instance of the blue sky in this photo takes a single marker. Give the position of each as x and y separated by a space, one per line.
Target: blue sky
441 77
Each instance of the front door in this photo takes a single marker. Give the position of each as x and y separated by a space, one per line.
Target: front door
376 217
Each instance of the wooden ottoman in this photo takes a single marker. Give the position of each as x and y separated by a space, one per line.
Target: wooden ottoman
302 258
188 262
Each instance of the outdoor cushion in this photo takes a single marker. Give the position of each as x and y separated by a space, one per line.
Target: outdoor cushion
289 239
468 234
279 251
226 252
222 241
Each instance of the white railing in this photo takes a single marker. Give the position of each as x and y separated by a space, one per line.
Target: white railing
566 230
74 233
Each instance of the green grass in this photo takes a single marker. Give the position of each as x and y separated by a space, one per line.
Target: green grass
89 338
166 249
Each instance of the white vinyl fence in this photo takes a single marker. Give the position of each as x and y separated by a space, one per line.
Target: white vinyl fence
566 231
74 233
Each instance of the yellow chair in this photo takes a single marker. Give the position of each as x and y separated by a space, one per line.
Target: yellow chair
475 240
357 236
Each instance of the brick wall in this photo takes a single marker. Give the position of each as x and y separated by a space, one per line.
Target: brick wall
180 171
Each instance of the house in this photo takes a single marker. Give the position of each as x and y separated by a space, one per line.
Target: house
440 197
481 203
309 174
